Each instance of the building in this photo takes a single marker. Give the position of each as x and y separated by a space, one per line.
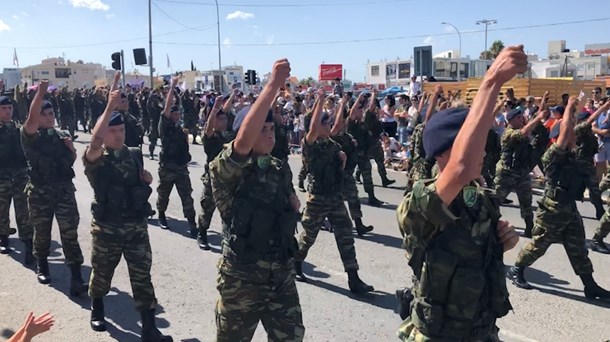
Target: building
11 77
61 73
563 62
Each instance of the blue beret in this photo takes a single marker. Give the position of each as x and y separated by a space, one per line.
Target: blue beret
441 130
116 119
513 113
555 131
174 109
46 105
559 109
583 115
5 101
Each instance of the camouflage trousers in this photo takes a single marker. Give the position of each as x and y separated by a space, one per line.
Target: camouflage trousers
207 203
350 195
408 332
557 222
595 194
489 170
364 169
519 182
59 201
170 175
317 209
12 188
109 243
68 122
376 151
604 225
604 184
303 172
250 293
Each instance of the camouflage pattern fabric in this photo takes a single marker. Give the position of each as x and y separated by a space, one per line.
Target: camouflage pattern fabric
134 132
349 189
417 166
539 142
585 150
442 244
243 303
557 218
317 209
492 155
12 188
604 225
170 175
252 292
604 184
376 152
365 168
303 171
130 240
507 181
57 200
207 203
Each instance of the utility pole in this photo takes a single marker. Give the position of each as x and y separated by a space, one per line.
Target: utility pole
150 58
219 59
459 78
486 22
123 68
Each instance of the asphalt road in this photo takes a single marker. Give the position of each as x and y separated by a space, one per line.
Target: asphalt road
185 278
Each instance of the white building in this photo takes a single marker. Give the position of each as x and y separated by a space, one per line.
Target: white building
580 65
61 73
11 77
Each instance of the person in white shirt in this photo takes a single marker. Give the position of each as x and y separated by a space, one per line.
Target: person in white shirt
414 87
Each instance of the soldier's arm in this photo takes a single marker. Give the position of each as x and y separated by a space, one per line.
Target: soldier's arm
33 121
316 120
94 152
255 119
598 112
339 121
355 112
529 127
438 90
169 101
227 104
211 123
466 157
566 130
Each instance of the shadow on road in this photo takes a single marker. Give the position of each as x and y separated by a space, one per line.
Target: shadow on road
7 333
309 270
385 240
379 299
386 205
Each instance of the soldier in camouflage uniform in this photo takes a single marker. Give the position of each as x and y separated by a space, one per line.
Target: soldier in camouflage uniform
51 154
119 227
173 161
66 109
13 179
134 131
451 227
513 169
214 138
557 217
258 206
303 171
348 146
493 148
326 164
153 108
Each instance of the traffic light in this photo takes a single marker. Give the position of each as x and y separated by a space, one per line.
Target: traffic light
248 79
252 76
116 61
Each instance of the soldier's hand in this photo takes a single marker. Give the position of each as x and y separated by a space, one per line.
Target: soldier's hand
146 177
117 77
43 86
174 82
113 98
295 203
510 62
507 235
280 72
546 95
572 104
438 89
69 144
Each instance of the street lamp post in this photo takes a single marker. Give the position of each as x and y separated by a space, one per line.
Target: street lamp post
219 59
150 58
486 22
460 50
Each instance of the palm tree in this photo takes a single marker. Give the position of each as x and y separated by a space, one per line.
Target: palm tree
494 50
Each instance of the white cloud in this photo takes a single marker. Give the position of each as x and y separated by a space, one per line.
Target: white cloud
110 16
255 27
4 26
226 42
91 4
15 16
25 14
270 39
239 15
429 40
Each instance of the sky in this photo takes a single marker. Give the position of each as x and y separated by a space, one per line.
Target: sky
255 33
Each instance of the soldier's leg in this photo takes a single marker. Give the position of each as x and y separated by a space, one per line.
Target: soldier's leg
316 210
207 204
282 318
138 256
185 191
41 217
575 246
106 251
597 243
67 216
504 184
350 194
604 184
595 196
377 154
164 189
544 234
5 206
524 194
344 238
239 309
302 176
22 215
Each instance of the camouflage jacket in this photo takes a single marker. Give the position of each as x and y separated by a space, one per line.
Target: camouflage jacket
586 142
325 171
566 176
516 151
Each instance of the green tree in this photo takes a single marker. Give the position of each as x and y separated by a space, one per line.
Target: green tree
307 81
494 50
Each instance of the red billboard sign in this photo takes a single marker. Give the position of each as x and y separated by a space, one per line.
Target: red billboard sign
329 72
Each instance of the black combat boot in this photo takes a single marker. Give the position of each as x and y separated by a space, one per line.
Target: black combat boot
361 229
77 285
404 297
29 257
374 202
151 152
193 225
163 220
202 240
302 186
356 285
298 268
358 179
43 271
385 182
4 244
598 245
529 225
599 210
150 333
516 274
98 323
592 290
507 201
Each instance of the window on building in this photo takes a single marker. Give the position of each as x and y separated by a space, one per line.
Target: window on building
62 73
375 70
44 72
464 70
442 69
